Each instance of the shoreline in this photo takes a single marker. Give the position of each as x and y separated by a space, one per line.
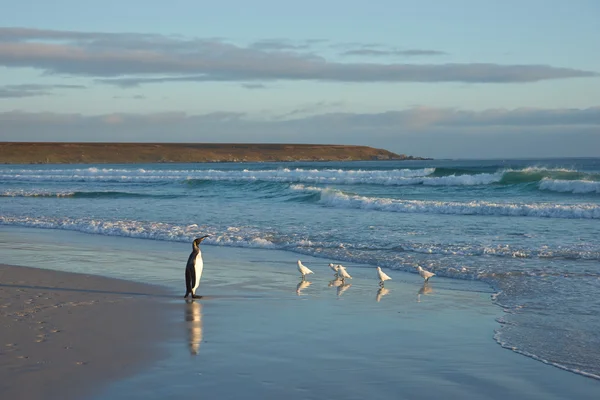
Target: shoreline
258 331
67 335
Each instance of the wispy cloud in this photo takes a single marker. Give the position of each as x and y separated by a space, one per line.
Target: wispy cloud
392 52
134 97
254 86
311 108
279 44
130 59
31 90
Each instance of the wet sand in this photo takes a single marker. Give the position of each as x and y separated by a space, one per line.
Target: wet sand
64 335
259 332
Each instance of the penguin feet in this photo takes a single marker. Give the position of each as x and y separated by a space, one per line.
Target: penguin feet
195 296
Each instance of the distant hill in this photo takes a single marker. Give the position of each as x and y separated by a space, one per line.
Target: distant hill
86 153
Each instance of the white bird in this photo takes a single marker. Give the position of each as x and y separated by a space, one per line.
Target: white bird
343 273
303 269
382 276
424 274
334 268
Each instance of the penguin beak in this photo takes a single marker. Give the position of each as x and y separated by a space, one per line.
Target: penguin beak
204 237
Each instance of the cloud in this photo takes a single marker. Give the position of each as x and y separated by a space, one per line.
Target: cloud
419 118
131 59
311 108
254 86
418 131
135 97
393 52
279 44
31 90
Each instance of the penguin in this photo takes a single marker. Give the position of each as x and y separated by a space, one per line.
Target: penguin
193 269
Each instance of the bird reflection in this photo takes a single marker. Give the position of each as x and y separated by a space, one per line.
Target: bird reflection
336 282
425 289
381 292
301 286
342 288
193 317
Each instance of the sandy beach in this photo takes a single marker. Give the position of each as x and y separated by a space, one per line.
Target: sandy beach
64 334
261 333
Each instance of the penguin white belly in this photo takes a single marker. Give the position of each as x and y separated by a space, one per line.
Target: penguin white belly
198 266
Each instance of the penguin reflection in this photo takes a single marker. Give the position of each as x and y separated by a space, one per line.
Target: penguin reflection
425 289
381 292
301 286
193 318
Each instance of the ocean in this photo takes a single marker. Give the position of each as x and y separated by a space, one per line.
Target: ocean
527 228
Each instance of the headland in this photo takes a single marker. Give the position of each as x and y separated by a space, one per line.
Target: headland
131 153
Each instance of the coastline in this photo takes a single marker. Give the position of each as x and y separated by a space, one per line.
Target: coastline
65 335
259 332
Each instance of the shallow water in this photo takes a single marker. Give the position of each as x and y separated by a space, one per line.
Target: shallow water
259 332
528 228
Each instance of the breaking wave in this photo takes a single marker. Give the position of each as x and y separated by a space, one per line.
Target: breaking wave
394 177
337 198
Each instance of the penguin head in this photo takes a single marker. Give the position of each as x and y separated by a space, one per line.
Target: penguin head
200 239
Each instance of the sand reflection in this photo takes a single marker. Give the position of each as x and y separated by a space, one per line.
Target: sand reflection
301 286
425 289
381 292
193 318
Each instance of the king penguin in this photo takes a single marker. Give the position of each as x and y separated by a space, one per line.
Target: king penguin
193 269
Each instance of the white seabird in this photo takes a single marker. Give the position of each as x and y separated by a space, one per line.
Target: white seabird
382 276
303 269
343 273
334 268
424 274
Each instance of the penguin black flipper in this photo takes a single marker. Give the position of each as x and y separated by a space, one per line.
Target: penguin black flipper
188 283
190 276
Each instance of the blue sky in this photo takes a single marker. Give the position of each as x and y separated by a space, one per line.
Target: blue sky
443 79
